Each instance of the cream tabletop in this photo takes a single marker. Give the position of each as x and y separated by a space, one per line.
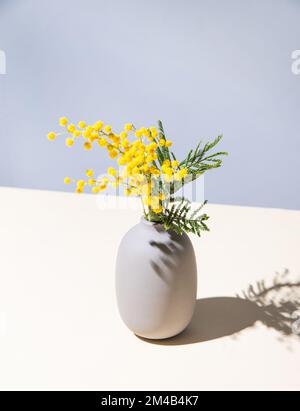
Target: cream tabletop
59 324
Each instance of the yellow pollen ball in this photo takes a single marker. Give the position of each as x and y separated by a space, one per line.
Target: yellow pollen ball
63 121
111 171
99 125
91 182
80 183
95 190
162 142
51 136
87 133
76 133
67 180
183 173
113 154
107 129
87 146
69 142
128 127
89 173
122 161
81 124
71 128
169 143
102 142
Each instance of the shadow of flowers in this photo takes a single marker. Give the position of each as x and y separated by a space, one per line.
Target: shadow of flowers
274 306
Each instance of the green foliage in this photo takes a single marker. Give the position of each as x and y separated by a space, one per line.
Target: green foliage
177 211
199 161
180 218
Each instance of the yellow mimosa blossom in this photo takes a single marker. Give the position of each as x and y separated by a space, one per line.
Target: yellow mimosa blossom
135 171
67 180
87 133
116 140
108 129
71 128
87 146
94 136
139 134
147 167
69 142
89 173
51 136
154 133
63 121
128 127
98 126
147 201
149 159
102 142
183 173
80 183
76 133
112 172
95 190
81 124
122 161
113 154
125 143
105 180
155 171
91 182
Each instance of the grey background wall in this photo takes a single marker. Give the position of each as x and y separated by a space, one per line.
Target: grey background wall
203 66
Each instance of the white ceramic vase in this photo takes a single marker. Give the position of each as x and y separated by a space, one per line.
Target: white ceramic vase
156 281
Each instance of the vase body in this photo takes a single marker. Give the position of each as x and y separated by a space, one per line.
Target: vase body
156 281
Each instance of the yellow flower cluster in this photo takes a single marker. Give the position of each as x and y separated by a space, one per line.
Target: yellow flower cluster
142 153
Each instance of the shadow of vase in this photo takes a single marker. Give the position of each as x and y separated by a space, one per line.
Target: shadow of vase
276 306
215 318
